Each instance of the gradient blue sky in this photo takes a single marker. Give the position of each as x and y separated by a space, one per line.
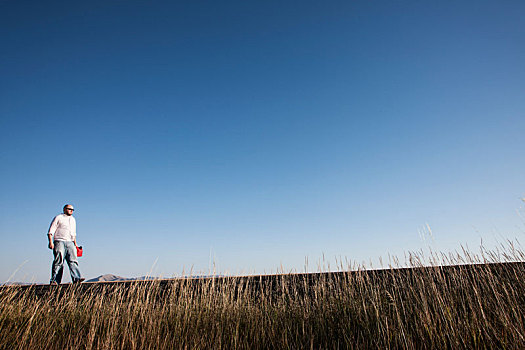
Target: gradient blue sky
260 133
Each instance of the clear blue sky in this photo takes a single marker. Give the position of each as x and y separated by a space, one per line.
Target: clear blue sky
259 133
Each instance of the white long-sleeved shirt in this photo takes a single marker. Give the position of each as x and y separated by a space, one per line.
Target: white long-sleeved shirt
63 228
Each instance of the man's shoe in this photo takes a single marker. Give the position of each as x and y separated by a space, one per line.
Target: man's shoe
80 280
54 283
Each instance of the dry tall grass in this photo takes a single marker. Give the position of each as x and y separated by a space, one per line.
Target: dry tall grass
464 306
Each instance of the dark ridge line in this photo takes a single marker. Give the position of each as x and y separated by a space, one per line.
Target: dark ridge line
40 289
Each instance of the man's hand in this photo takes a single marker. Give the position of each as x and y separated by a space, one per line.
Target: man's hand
51 245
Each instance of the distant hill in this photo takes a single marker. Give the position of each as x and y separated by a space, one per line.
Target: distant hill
114 278
109 278
16 284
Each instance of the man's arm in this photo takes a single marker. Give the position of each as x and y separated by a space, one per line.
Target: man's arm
51 232
50 237
74 231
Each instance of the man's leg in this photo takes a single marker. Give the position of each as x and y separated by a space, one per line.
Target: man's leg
71 258
60 272
58 263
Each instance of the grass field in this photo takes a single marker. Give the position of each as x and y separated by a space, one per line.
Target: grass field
474 302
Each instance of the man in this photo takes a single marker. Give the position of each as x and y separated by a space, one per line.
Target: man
62 237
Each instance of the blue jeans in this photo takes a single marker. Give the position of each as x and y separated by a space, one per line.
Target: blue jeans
64 250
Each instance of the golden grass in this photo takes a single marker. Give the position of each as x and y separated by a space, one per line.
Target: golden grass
479 303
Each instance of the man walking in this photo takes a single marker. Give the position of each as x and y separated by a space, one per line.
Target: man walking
62 237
